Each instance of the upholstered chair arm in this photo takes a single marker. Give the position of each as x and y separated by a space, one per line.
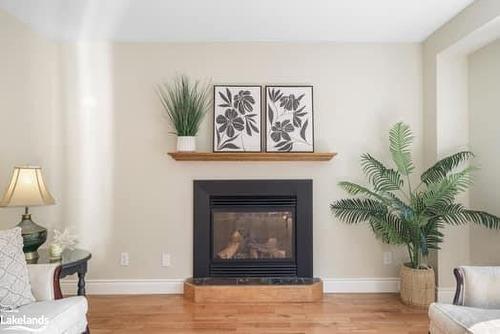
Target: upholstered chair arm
44 280
478 287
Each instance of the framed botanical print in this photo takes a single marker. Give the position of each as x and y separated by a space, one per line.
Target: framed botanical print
237 118
289 119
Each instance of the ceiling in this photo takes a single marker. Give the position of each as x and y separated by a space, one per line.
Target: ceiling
236 20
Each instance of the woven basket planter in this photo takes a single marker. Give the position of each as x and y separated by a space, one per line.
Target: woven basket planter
418 286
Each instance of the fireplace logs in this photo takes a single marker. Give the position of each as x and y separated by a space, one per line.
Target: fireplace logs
232 246
268 249
238 246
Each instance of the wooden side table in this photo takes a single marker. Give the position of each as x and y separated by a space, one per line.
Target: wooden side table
72 262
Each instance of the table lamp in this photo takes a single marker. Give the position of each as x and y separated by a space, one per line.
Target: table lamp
26 188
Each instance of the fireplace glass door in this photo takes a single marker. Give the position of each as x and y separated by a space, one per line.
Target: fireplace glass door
253 234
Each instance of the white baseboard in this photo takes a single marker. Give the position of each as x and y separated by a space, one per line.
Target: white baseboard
175 286
125 286
361 285
445 295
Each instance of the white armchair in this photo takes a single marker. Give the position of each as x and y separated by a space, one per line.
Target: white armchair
476 306
61 315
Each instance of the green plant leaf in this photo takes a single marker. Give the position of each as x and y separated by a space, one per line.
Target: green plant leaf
444 166
355 189
389 228
444 192
185 104
483 218
397 204
382 178
457 214
355 210
400 139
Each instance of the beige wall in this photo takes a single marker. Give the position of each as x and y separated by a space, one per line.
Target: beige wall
102 140
88 114
28 107
137 199
440 67
484 104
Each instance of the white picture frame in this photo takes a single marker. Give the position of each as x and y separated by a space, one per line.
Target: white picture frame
237 118
289 118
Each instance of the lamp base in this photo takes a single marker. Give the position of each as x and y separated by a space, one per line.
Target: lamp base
31 257
33 237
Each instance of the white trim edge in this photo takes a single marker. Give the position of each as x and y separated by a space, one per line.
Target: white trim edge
445 295
175 286
125 286
361 285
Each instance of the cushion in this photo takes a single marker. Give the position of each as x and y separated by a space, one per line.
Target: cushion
481 287
441 322
63 316
456 319
15 289
42 280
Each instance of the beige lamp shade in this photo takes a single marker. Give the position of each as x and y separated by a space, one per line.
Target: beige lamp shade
26 188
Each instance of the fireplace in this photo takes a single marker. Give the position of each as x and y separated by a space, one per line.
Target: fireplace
253 229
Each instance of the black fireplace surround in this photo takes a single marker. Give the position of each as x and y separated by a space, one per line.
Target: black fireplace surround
253 229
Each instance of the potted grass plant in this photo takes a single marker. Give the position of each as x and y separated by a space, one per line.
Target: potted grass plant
401 214
186 104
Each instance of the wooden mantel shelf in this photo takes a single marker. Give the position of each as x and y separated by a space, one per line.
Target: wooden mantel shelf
261 156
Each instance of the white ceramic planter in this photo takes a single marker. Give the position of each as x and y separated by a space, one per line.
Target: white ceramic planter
186 143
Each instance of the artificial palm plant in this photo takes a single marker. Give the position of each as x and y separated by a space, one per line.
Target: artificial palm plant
401 214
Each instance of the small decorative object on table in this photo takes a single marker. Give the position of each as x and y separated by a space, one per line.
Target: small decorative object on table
55 251
62 240
289 119
185 104
27 189
403 215
237 118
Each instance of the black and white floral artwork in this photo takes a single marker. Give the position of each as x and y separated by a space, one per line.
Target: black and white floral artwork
289 119
237 119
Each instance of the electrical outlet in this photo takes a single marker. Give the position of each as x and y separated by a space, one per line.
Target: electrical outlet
165 260
387 257
124 259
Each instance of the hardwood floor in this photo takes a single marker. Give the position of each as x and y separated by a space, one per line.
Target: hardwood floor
337 313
